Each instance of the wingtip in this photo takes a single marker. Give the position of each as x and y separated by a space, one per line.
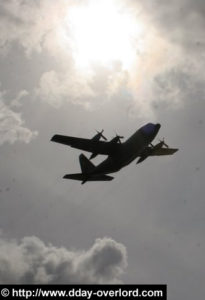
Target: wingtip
53 138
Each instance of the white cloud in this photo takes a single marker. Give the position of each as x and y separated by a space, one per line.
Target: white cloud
16 102
171 31
12 126
55 88
32 261
181 21
89 90
29 22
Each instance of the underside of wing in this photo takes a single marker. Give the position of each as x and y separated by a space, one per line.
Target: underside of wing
99 147
163 151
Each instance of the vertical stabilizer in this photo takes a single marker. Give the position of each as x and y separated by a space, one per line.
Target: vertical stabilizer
85 164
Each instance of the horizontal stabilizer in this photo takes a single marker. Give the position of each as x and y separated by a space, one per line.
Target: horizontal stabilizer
84 178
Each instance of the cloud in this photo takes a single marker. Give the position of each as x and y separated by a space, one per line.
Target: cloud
172 69
173 36
16 102
29 23
32 261
55 88
181 21
93 89
42 26
12 127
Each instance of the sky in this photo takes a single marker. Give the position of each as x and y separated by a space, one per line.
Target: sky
71 67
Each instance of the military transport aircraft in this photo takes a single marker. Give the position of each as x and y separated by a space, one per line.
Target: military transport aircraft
119 154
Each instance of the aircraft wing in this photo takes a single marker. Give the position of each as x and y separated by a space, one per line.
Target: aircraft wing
99 147
162 151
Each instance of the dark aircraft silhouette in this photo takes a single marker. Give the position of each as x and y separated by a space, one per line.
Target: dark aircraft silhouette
119 154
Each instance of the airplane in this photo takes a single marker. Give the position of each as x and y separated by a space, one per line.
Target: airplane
119 154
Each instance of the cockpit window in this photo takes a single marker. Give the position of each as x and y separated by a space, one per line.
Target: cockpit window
149 128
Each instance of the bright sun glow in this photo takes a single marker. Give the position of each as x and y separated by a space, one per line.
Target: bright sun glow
102 31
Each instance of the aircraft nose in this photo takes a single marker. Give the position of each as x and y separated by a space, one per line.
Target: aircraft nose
150 130
158 126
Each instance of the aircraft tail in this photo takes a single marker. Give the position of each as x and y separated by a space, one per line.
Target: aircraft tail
87 168
85 177
85 164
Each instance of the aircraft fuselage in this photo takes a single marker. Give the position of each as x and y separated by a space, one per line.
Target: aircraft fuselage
118 154
129 150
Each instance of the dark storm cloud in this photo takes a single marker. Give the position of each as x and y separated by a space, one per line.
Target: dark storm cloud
32 261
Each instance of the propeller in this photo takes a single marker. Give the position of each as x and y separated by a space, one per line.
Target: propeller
101 134
118 138
163 143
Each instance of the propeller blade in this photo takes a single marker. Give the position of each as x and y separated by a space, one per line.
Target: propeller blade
101 134
119 137
162 141
104 137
